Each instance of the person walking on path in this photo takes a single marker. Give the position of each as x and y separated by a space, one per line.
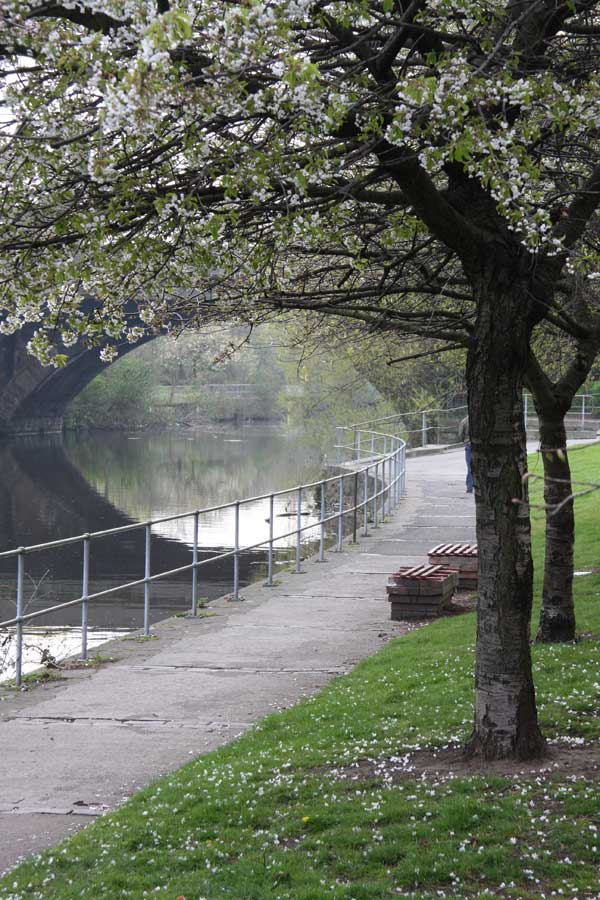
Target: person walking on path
465 437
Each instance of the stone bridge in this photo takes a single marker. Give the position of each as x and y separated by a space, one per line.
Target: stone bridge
33 398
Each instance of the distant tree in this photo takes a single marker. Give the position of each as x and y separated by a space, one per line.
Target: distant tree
117 398
420 166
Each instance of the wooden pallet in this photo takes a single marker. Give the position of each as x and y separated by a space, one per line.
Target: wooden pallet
458 556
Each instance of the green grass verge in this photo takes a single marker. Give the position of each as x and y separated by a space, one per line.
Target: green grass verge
285 813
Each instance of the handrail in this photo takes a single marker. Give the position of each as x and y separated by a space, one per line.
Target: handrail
395 424
412 412
376 488
32 548
450 409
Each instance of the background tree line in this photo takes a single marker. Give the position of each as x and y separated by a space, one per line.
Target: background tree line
296 375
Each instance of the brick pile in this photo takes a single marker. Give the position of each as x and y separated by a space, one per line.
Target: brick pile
417 592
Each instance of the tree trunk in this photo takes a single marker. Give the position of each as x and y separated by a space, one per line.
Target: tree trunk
505 711
557 615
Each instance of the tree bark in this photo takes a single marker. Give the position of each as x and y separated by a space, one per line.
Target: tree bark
552 402
505 723
557 615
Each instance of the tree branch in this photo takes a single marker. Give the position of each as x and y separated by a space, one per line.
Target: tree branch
583 206
445 349
443 221
80 15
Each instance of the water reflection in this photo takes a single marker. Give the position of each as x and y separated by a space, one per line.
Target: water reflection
191 472
53 489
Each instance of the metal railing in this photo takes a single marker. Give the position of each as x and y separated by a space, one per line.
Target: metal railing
584 412
431 422
370 492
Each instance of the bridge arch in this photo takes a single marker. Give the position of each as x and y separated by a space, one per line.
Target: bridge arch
33 397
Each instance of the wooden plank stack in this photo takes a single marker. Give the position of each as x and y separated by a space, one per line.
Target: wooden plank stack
419 592
457 556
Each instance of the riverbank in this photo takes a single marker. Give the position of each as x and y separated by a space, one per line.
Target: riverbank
359 791
188 425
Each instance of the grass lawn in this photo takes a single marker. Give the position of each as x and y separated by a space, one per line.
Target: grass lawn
320 801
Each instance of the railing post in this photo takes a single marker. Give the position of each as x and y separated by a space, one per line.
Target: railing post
526 399
390 490
358 450
236 551
583 412
423 429
148 530
195 565
298 528
366 501
386 489
355 506
372 444
403 464
375 498
385 496
341 514
85 589
322 535
19 629
400 474
338 441
271 532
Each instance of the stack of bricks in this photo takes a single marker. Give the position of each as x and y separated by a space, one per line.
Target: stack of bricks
421 592
457 556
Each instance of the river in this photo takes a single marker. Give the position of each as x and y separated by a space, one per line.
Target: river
57 486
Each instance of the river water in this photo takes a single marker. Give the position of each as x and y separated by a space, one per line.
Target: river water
57 486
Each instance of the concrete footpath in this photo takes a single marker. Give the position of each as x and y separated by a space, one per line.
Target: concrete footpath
74 748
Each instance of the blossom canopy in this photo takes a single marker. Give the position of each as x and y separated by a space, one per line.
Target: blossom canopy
323 154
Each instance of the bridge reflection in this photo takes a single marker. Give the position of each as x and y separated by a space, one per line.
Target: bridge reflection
45 497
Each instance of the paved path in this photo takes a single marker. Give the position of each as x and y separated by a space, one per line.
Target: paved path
73 748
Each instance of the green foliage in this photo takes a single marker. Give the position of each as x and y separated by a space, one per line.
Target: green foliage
328 391
430 380
120 397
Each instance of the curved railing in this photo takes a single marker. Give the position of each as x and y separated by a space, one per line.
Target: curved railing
432 423
353 499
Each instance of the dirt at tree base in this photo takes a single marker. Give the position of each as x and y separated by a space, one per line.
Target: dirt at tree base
581 761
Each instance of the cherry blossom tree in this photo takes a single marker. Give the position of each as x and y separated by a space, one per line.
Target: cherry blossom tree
341 157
